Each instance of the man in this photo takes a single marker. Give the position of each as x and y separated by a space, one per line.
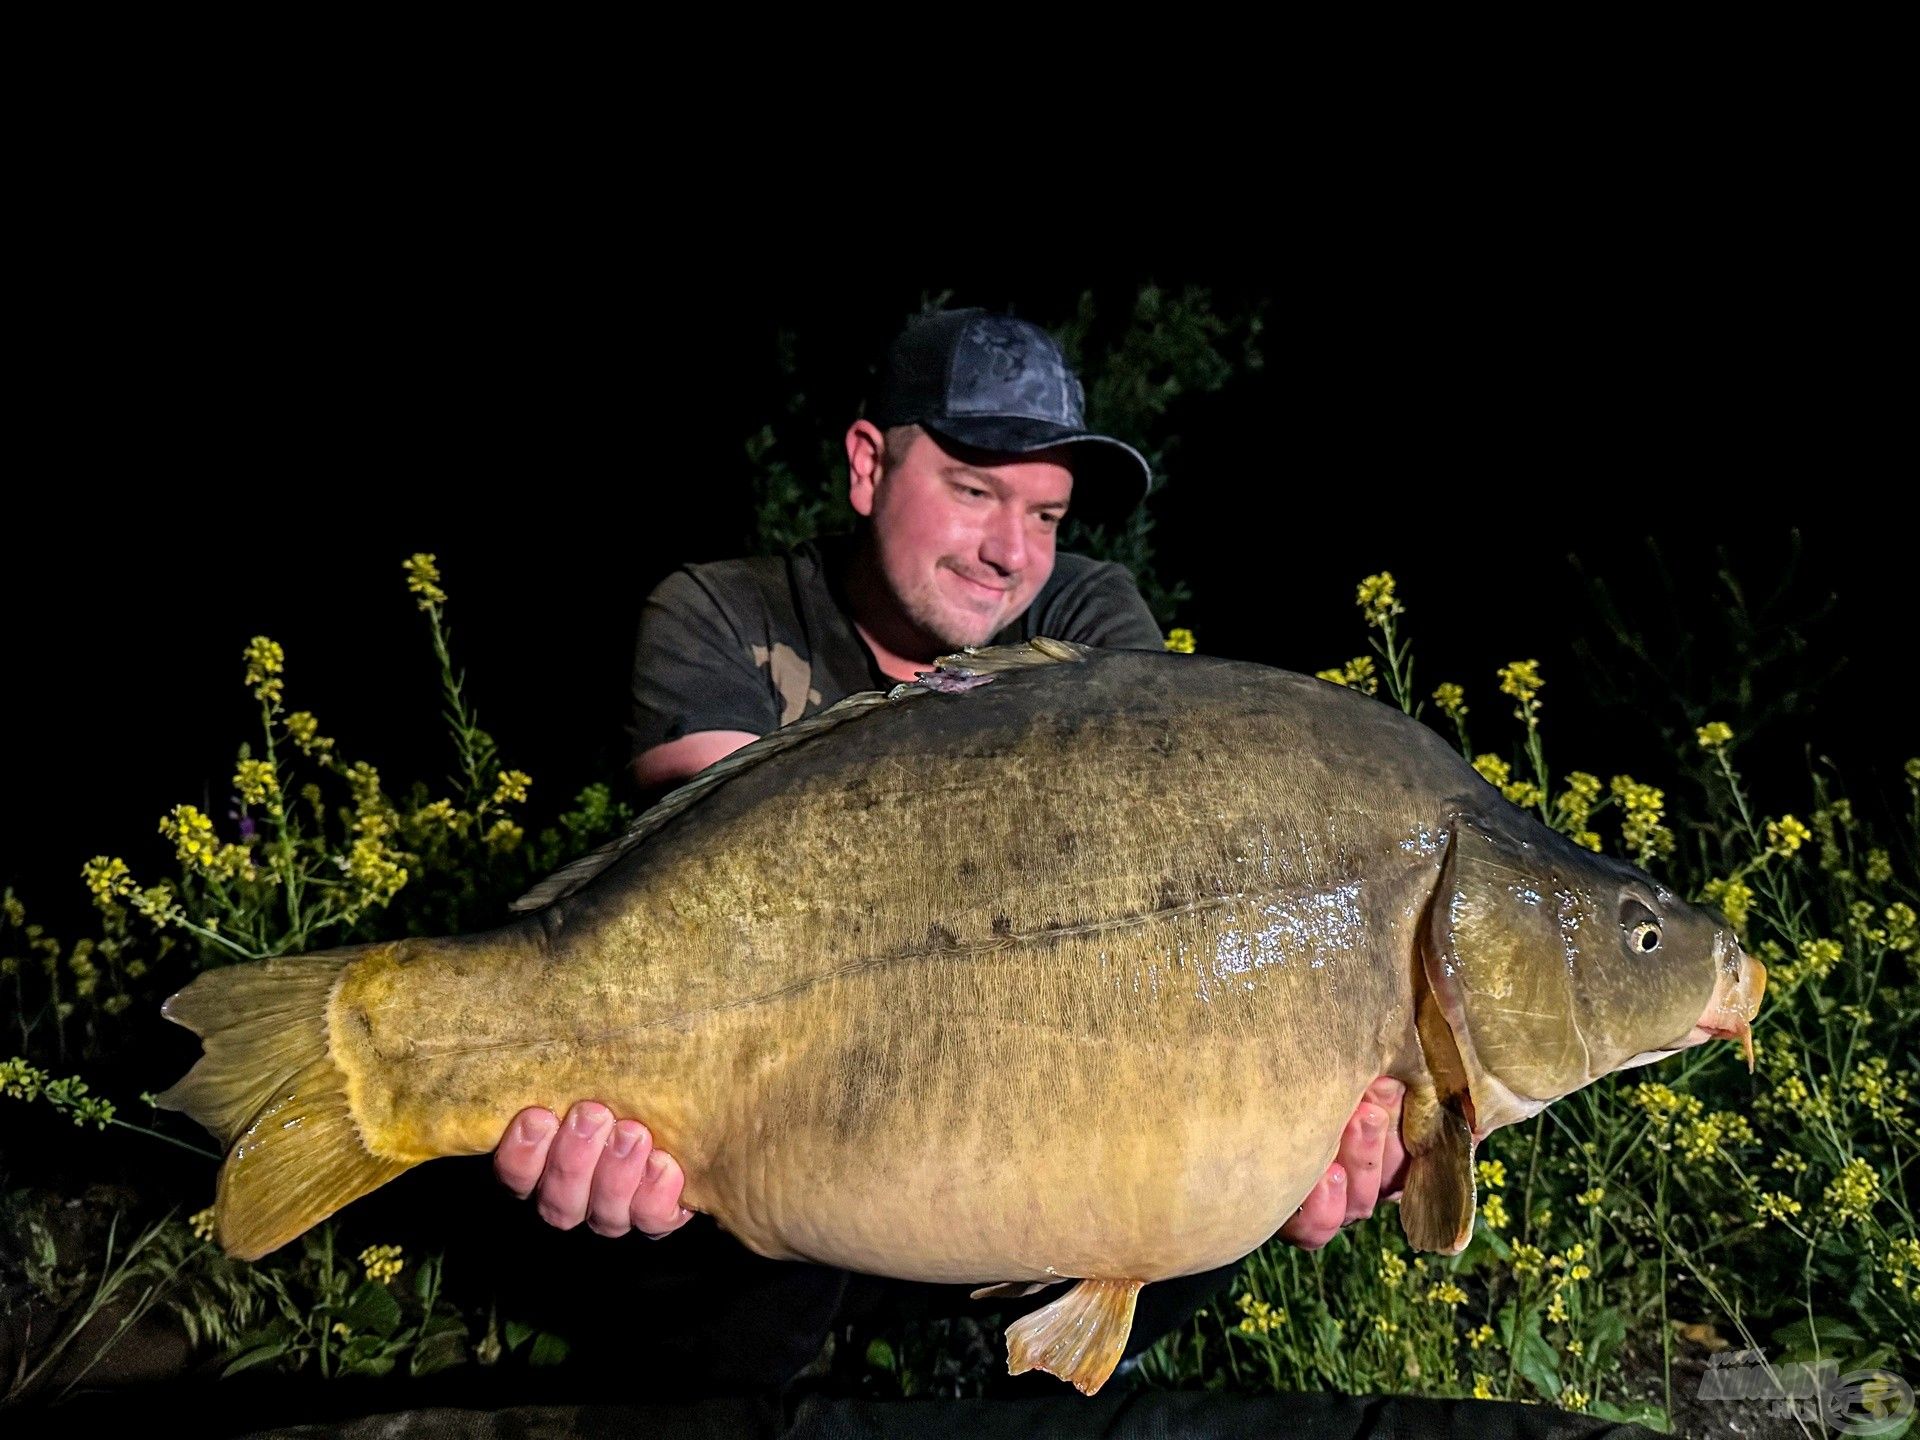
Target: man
974 452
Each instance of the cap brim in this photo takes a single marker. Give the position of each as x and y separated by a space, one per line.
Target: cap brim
1110 477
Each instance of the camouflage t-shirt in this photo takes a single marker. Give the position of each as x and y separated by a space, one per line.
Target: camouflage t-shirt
756 644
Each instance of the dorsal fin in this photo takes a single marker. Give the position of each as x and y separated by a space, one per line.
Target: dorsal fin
967 663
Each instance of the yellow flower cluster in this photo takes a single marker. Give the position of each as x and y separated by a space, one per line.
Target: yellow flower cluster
1452 701
1521 680
1902 930
1376 600
1852 1193
1392 1270
304 731
1879 867
1446 1293
1527 1260
197 847
1575 804
503 836
1480 1337
1572 1399
1663 1105
1786 835
1715 735
202 1223
1642 807
1732 898
107 878
383 1262
1828 822
20 1080
423 579
1791 1162
1357 674
1257 1317
1386 1326
1557 1308
1774 1205
512 787
375 870
1592 1197
443 813
16 912
1492 769
1878 1091
1482 1386
1901 1262
1492 1173
255 783
265 663
1493 1210
1702 1139
1180 640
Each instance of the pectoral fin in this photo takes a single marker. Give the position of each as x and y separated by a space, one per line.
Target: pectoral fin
1011 1290
1436 1210
1079 1337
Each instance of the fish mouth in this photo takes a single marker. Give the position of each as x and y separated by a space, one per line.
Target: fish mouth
1739 983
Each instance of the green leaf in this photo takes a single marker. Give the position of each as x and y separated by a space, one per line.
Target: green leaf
1609 1334
373 1310
1533 1357
516 1333
1643 1413
424 1279
548 1350
880 1354
1833 1336
439 1351
259 1355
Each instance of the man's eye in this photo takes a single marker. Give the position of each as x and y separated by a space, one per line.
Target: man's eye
972 491
1051 520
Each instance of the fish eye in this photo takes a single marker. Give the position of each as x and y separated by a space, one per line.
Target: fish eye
1642 926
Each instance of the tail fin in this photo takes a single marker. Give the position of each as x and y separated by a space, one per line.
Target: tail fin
269 1090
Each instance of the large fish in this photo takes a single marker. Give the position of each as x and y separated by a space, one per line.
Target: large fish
1060 966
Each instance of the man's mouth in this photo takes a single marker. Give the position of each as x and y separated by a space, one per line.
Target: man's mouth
984 589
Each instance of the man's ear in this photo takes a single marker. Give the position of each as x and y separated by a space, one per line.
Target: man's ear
866 464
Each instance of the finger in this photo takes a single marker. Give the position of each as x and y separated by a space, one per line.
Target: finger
615 1179
1320 1214
1360 1146
1389 1095
657 1209
522 1152
564 1188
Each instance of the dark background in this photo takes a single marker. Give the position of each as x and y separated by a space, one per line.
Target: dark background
243 430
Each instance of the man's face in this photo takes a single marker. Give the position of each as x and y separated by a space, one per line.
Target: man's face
965 541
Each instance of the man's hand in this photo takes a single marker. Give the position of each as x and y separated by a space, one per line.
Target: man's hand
1371 1166
592 1169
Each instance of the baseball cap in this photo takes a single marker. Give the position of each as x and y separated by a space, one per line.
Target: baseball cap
1000 385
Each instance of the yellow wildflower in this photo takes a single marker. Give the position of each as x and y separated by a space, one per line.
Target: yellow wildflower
1903 927
1793 1164
1574 1347
512 788
21 1080
1376 600
1775 1205
265 662
1492 1173
304 731
373 866
1392 1269
1901 1262
1879 867
1521 680
1523 793
202 1223
342 1329
1852 1193
16 912
1482 1387
1714 735
1702 1139
254 782
1357 674
1580 1272
1180 640
1526 1260
1452 701
107 878
1572 1399
503 836
1493 1210
1642 807
1879 1092
1588 839
383 1262
1786 835
1557 1308
1493 769
1592 1197
1385 1326
1481 1336
1258 1317
1446 1293
197 847
1732 898
423 579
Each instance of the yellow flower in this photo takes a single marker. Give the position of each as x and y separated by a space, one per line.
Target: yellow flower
1493 1210
1452 701
1480 1337
1482 1387
254 782
1589 839
1446 1293
1913 769
107 878
197 847
512 787
1357 674
1574 1347
1392 1269
1790 1162
1572 1399
373 866
1557 1308
1492 769
1523 793
1526 1260
1258 1317
1901 1262
304 731
383 1262
423 579
1180 640
1852 1193
16 912
265 662
1375 598
1641 807
1492 1173
1786 835
1776 1206
1592 1197
503 836
202 1223
1903 927
1521 680
1732 898
1879 1092
1879 867
1702 1139
1580 1272
1385 1326
342 1329
1715 735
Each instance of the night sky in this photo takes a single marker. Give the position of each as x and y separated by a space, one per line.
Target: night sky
249 438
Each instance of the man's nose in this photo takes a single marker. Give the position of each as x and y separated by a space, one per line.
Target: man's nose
1004 545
